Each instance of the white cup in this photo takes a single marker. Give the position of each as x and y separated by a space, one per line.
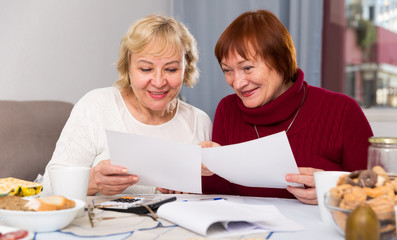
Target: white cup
70 182
324 181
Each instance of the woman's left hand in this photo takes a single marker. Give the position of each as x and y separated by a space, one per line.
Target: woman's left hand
207 144
168 191
308 194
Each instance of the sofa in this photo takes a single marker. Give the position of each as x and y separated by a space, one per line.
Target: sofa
29 131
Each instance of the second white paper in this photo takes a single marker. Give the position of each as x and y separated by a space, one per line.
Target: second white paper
222 218
263 162
158 163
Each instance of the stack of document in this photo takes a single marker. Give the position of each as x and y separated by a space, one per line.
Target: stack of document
222 218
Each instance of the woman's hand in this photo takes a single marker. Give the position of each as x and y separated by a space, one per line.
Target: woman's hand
207 144
168 191
109 179
308 194
205 171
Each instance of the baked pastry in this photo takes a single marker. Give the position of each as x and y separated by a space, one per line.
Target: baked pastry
371 186
50 203
13 203
18 187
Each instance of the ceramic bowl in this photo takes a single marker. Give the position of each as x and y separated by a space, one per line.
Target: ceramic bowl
43 221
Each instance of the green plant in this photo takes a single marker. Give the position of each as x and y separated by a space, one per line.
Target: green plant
366 34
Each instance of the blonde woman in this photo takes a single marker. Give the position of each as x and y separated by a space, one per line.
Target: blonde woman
157 56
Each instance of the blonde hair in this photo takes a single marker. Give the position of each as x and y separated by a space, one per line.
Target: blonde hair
169 36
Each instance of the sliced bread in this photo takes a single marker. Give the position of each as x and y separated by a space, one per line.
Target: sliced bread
49 203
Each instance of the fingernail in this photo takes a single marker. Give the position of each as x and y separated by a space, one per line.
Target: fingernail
124 170
135 179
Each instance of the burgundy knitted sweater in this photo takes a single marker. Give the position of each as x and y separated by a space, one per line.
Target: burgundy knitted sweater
330 132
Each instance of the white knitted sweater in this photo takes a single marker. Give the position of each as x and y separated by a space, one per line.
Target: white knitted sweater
83 140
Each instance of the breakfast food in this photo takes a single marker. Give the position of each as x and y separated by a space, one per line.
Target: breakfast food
365 185
18 187
371 187
19 234
362 224
13 203
48 203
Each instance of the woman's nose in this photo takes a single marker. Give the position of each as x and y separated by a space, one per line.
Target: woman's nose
158 79
239 81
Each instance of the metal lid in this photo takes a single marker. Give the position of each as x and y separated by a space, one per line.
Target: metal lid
384 140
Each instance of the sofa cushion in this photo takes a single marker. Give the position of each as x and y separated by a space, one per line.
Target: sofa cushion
29 131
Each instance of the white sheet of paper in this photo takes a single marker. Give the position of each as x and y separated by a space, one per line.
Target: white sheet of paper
263 162
159 163
224 218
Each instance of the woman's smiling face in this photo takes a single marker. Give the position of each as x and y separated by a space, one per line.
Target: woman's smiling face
156 80
253 80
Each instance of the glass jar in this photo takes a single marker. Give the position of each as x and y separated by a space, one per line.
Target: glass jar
383 152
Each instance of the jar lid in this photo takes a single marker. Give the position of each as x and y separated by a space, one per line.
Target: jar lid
386 140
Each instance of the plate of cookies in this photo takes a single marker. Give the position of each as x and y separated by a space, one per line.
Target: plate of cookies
373 187
39 214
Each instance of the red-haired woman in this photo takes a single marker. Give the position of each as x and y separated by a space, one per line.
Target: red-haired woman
326 130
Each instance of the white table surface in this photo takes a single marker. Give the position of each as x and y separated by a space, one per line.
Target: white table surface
306 215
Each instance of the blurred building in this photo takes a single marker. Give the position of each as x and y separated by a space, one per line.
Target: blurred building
366 34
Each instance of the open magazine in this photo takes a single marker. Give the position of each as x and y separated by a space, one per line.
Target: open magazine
225 218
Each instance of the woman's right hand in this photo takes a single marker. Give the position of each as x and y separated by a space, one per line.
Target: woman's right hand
109 179
168 191
207 144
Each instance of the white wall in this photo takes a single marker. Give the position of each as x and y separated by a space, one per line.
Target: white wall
59 50
383 122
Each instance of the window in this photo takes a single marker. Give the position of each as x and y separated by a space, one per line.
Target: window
360 50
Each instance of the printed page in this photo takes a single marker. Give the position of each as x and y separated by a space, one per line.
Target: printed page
158 163
263 162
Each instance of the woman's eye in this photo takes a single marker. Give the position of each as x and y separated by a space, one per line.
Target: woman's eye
226 71
249 68
146 69
171 70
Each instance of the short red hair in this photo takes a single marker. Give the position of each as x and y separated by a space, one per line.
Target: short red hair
262 32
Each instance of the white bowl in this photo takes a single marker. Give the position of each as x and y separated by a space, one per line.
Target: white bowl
44 221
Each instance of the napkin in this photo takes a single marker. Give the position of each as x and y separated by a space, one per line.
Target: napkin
110 223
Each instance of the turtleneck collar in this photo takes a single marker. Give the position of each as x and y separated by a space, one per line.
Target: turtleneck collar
280 109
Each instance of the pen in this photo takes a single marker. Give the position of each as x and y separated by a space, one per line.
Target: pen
270 234
205 199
